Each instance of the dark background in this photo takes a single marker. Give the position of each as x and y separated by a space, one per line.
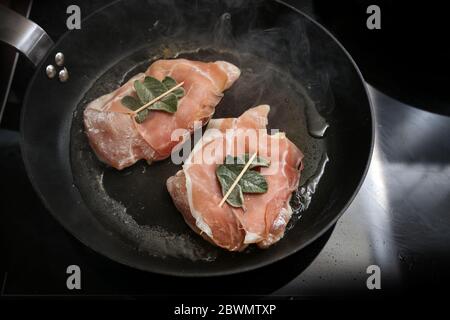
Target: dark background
407 64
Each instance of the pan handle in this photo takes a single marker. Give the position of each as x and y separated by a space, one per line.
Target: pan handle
24 35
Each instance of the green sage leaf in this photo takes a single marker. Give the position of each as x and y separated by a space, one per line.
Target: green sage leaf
243 159
253 182
155 86
236 197
226 179
131 102
141 116
150 89
168 104
170 83
143 93
250 182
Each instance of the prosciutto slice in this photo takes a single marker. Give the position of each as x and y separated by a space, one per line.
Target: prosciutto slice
196 191
119 141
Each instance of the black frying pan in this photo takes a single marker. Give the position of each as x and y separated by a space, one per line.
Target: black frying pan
287 61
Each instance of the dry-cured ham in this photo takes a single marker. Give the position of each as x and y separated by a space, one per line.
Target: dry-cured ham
196 191
120 141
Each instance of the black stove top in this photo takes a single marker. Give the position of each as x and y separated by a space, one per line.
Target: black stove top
398 221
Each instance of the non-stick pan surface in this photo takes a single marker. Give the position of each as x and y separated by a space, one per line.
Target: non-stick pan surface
287 61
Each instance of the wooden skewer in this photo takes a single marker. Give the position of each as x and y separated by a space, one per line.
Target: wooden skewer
157 98
237 179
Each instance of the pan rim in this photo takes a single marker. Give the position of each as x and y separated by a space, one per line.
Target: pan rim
242 269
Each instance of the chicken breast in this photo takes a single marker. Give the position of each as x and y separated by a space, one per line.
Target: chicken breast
119 141
196 191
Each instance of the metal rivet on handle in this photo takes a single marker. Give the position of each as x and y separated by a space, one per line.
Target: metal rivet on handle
63 75
50 70
59 59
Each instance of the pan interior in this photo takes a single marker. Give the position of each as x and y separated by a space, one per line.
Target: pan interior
287 61
134 202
